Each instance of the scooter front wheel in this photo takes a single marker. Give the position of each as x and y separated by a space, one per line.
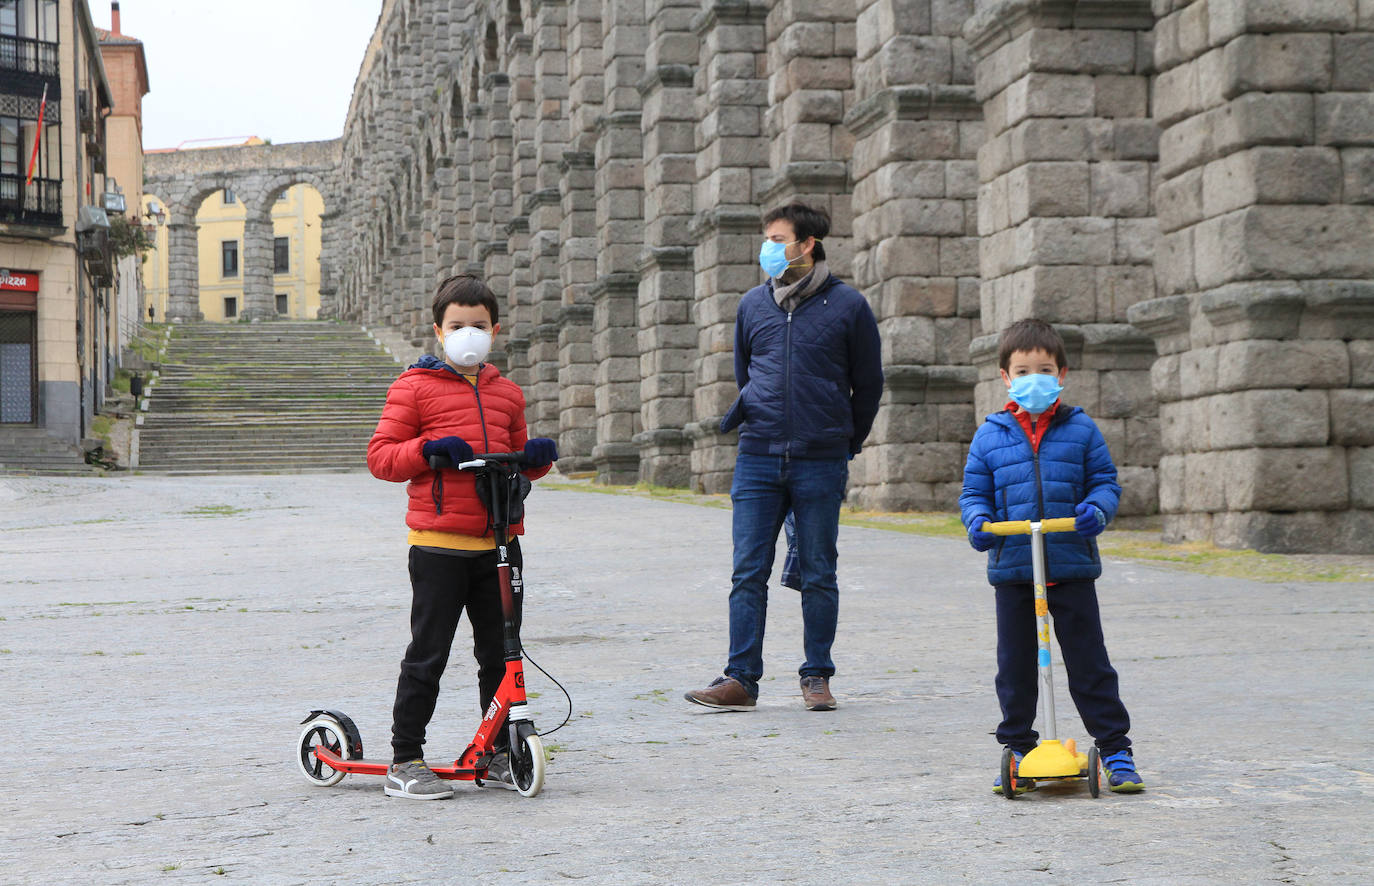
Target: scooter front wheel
527 766
1008 774
1094 772
327 732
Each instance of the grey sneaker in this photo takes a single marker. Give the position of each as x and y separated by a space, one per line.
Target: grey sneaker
415 781
498 772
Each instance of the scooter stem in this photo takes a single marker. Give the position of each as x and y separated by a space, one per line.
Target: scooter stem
1042 612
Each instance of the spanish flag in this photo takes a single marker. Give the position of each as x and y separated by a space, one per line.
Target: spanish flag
37 135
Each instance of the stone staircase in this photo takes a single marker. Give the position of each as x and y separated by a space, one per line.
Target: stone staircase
264 397
31 450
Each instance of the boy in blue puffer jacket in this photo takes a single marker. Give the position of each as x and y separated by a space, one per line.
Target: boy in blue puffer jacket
1036 460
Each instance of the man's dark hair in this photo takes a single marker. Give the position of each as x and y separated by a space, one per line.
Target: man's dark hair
464 289
1031 335
806 222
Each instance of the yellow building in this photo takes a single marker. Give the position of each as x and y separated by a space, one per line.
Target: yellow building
58 293
296 255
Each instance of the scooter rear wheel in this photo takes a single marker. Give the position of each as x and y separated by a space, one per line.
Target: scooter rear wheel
328 732
527 766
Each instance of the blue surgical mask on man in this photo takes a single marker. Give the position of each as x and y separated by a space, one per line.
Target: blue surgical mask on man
1035 392
773 258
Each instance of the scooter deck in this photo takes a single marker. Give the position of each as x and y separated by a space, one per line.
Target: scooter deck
380 767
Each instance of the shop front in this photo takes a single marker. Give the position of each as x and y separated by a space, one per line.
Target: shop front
18 347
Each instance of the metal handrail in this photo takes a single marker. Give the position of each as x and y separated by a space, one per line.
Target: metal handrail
38 201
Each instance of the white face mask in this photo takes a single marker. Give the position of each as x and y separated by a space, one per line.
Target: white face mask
467 346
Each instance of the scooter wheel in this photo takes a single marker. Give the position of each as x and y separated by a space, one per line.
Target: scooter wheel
527 766
328 732
1008 774
1094 772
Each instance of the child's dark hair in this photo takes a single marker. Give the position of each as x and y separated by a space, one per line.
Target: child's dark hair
1031 335
806 222
464 289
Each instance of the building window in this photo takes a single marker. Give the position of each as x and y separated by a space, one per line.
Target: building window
229 258
282 305
281 254
229 196
231 307
281 198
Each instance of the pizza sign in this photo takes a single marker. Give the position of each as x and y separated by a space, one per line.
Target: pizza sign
14 280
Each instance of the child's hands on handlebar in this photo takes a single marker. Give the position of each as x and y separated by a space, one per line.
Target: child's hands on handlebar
1089 519
539 451
455 448
980 540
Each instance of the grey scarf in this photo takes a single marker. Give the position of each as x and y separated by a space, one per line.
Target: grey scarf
793 294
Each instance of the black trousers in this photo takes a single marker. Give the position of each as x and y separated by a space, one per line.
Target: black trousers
443 585
1082 652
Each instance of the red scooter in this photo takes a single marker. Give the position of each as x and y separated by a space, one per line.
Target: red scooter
330 746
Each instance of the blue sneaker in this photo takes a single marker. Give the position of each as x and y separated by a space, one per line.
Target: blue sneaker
1023 785
1121 775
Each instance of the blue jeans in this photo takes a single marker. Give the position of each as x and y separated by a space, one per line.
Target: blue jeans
765 487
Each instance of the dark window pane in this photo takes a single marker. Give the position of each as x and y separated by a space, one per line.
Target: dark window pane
281 254
231 308
229 250
282 306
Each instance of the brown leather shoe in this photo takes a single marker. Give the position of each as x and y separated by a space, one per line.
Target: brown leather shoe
816 694
724 694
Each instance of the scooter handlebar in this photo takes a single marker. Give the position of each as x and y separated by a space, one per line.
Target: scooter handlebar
1023 527
478 461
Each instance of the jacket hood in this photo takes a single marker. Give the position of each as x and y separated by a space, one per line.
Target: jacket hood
431 363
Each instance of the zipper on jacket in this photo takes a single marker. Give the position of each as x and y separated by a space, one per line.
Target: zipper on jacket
787 386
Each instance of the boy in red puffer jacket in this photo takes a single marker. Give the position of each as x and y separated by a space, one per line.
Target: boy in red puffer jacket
453 407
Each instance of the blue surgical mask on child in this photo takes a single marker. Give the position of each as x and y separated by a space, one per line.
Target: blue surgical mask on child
1035 392
773 258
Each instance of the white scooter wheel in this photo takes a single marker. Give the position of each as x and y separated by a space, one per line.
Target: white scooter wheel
327 732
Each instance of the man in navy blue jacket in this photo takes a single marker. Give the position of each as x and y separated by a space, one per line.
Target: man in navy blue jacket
808 362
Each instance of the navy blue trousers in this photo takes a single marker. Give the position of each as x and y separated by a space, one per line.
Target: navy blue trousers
1082 658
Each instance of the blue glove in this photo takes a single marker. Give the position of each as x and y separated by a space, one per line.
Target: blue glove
981 540
540 451
1089 519
456 448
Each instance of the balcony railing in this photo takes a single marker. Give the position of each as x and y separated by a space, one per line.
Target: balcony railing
37 203
26 56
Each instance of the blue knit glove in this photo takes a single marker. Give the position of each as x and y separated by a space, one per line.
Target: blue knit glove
540 451
980 540
456 448
1089 520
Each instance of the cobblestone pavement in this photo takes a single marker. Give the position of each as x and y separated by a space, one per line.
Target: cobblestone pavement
162 638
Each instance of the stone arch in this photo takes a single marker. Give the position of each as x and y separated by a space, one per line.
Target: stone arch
256 174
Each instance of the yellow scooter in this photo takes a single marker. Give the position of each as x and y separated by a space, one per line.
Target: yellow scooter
1051 759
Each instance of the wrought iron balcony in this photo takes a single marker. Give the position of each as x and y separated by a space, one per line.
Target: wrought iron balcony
37 203
24 56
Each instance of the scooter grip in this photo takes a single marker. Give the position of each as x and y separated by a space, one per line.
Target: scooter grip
1023 527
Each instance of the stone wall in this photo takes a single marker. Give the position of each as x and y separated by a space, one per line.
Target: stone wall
1182 186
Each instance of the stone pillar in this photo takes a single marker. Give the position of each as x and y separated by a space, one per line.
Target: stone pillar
732 174
576 368
918 125
259 302
518 313
667 336
620 238
1265 374
183 272
1064 209
810 85
497 256
537 336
